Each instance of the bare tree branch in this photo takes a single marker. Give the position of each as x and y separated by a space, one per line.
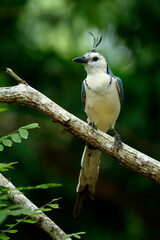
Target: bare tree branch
12 74
127 156
136 161
43 221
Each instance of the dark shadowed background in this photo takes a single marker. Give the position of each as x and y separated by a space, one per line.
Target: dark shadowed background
38 40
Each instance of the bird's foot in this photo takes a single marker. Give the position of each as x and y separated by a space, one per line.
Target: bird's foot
93 125
117 140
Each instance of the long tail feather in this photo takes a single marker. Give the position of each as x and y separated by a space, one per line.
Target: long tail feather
88 177
79 201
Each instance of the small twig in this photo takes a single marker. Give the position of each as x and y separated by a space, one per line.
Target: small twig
15 76
44 222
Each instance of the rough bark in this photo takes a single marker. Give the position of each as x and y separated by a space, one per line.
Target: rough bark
136 161
43 221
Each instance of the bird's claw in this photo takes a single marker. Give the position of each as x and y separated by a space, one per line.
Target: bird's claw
117 142
93 125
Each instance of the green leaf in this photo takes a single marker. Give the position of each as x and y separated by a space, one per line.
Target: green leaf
19 220
4 189
23 133
18 212
56 199
6 166
41 186
29 221
55 205
3 217
12 231
16 138
7 142
3 197
4 237
30 126
10 225
3 169
44 209
48 185
3 205
1 147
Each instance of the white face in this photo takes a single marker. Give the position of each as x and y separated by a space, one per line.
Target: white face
96 62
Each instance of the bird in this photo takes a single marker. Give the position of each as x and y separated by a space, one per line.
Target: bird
102 95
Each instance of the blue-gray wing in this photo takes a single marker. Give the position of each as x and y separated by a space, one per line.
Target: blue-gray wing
120 89
118 84
109 71
83 94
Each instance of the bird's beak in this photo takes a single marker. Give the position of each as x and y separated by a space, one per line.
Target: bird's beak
81 59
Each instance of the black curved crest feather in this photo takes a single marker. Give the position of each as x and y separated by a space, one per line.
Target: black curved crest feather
96 42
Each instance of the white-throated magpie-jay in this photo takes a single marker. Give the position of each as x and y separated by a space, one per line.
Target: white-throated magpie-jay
102 95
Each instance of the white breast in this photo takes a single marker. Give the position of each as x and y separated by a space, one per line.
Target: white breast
102 101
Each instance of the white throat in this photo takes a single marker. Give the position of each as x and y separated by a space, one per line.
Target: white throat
95 69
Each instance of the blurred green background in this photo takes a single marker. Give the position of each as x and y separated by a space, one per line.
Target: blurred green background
38 40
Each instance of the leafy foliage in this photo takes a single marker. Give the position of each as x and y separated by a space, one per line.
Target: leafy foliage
41 186
17 136
6 208
6 166
12 210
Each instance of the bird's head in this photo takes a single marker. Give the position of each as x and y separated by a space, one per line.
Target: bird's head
93 61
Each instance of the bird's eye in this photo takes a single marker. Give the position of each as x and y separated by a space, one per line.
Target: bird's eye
95 59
